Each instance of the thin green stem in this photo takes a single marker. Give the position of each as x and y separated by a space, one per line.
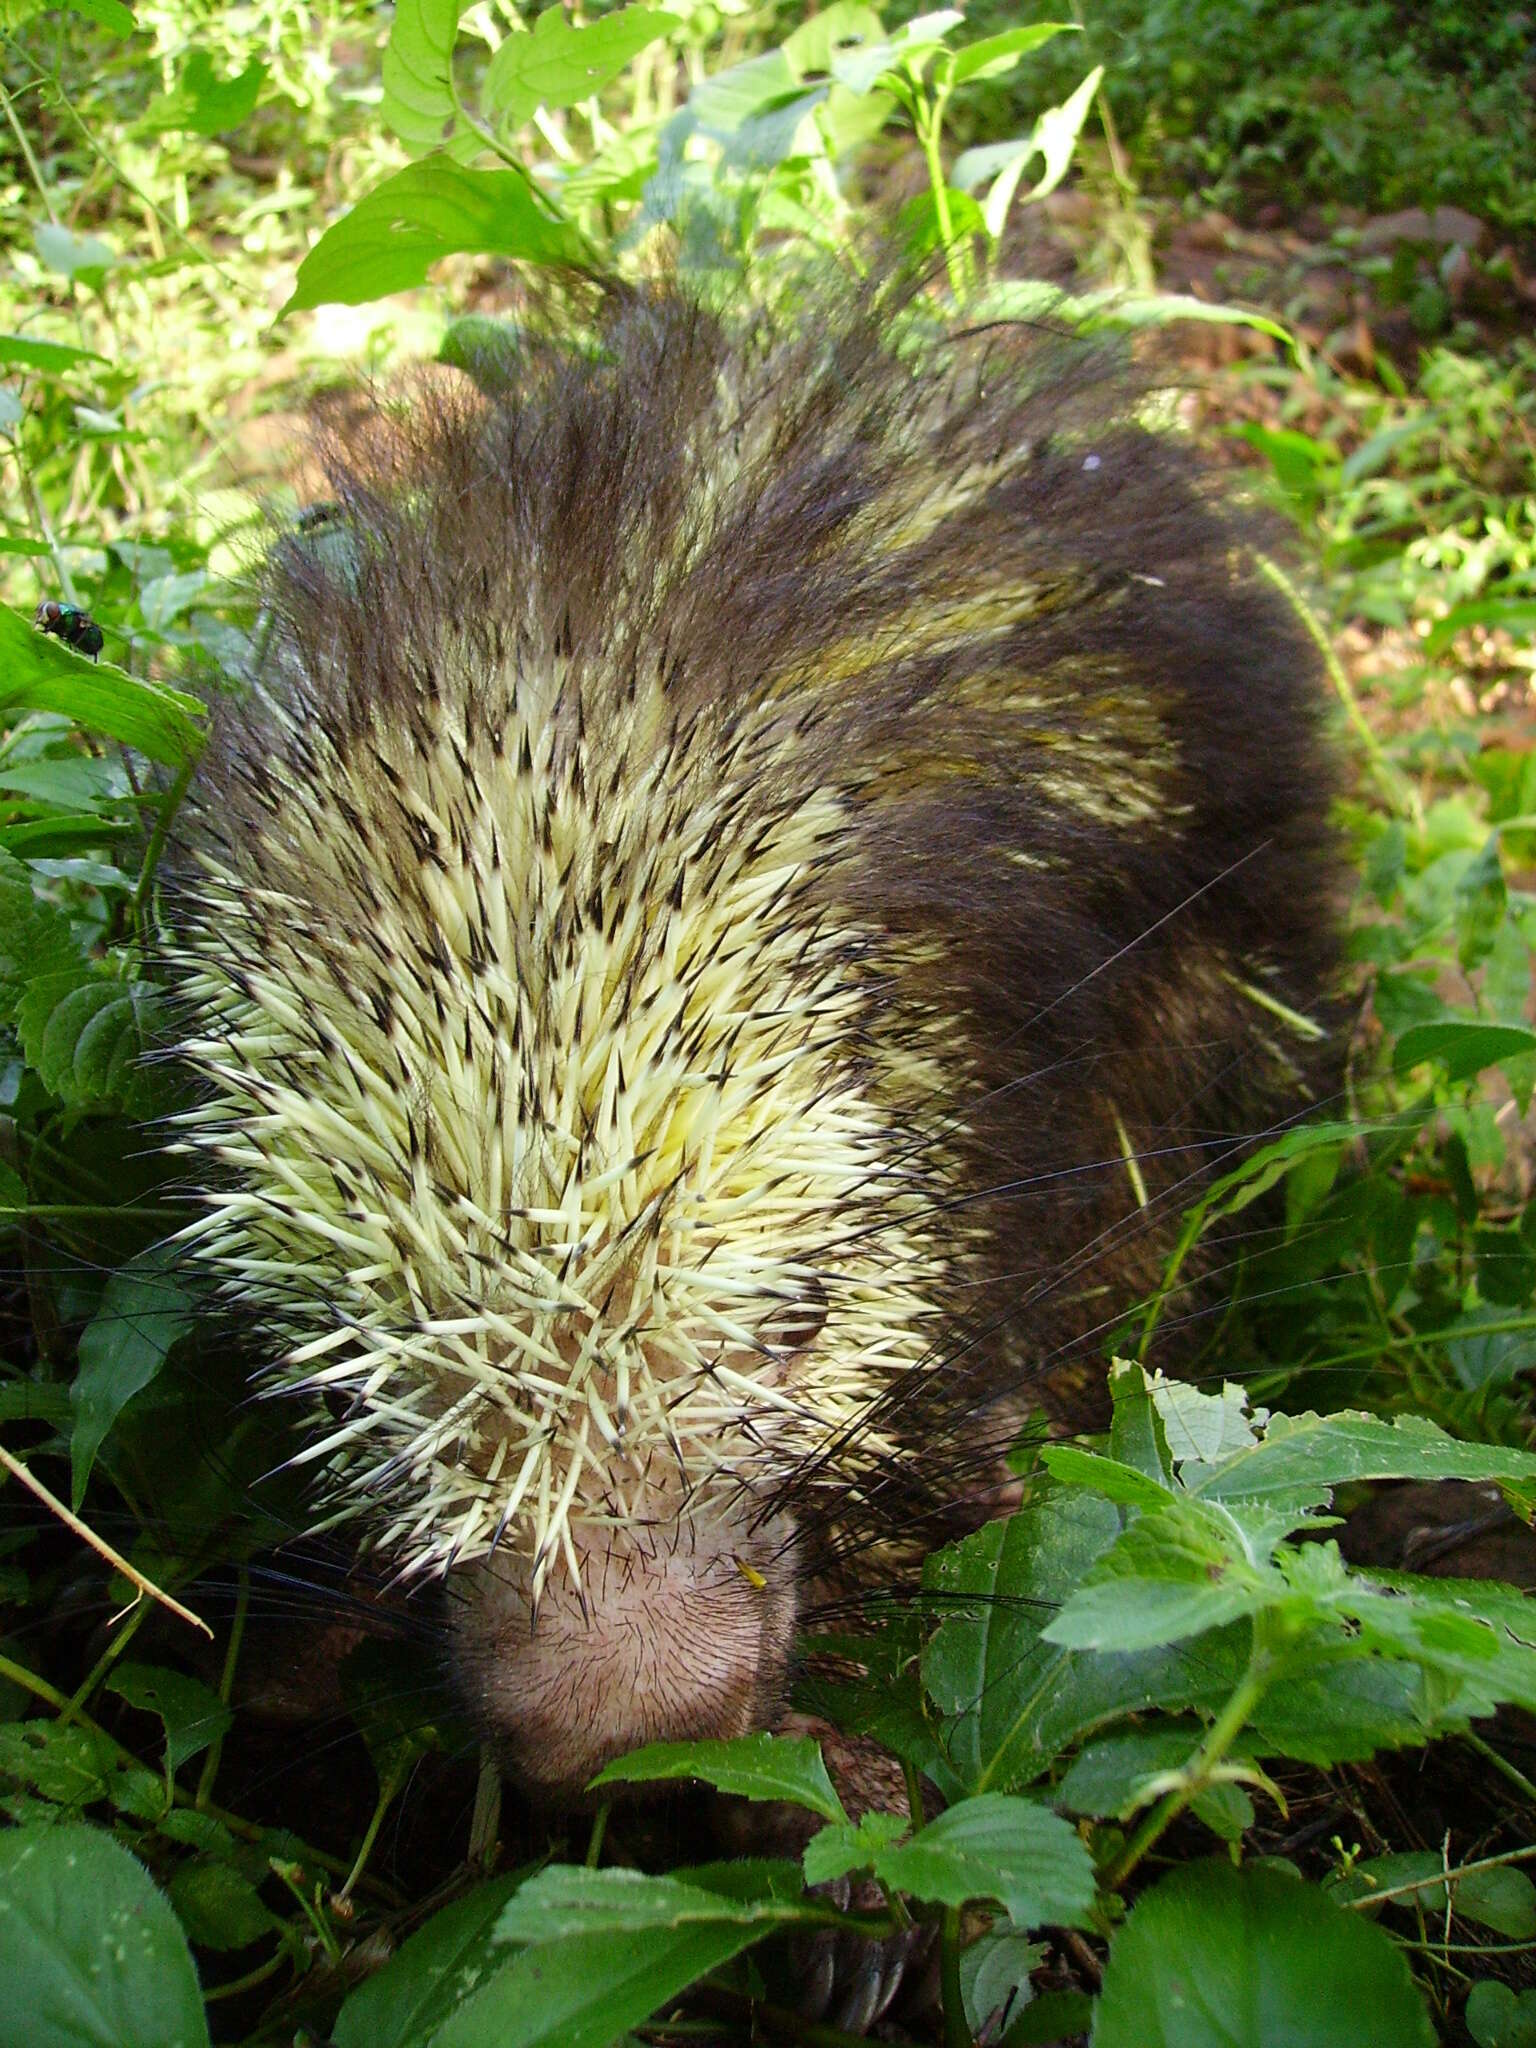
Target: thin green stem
249 1981
1501 1764
25 147
485 1820
1264 1668
105 1661
957 2032
210 1768
599 1829
388 1787
157 837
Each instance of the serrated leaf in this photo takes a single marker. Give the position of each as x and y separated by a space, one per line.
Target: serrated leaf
555 65
1011 1700
77 1767
1214 1957
41 674
996 1847
844 1846
191 1713
438 1968
750 1767
1300 1453
437 208
86 1034
143 1311
1178 1571
35 936
91 1955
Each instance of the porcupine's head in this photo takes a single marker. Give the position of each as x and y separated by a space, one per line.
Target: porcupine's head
586 929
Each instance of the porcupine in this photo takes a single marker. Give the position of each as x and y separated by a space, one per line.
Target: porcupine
752 880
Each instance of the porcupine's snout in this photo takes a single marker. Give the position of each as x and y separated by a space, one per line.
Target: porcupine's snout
678 1632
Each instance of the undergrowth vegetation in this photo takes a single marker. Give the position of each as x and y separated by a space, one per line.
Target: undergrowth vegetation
1163 1711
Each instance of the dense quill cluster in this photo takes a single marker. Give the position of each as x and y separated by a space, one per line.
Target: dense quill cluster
750 874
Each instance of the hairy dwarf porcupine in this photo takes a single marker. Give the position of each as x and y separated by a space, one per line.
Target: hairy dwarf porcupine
757 869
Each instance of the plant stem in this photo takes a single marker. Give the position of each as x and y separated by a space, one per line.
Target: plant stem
957 2033
1263 1669
210 1768
599 1829
1501 1764
28 158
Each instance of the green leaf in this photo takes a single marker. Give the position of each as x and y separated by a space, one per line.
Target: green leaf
1178 1571
996 1847
86 1033
995 1974
1301 1453
842 1847
1515 615
557 65
42 674
750 1767
431 1976
35 936
1013 1700
585 1991
91 1955
142 1313
202 103
994 56
86 257
1497 2017
53 358
1110 1777
1214 1957
77 1767
218 1907
564 1899
1464 1049
418 102
191 1713
111 15
390 240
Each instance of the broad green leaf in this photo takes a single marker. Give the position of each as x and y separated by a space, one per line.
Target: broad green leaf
1214 1957
77 1767
1497 2017
1109 1777
53 358
750 1767
1011 1700
564 1899
112 15
809 49
995 56
844 1846
435 1971
995 1977
1300 1453
1203 1428
996 1847
217 1906
87 257
202 103
1178 1571
91 1955
142 1313
1501 1897
86 1034
35 936
1515 615
1123 1484
557 65
191 1713
418 102
586 1990
1136 1435
1463 1048
1056 132
41 674
390 240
